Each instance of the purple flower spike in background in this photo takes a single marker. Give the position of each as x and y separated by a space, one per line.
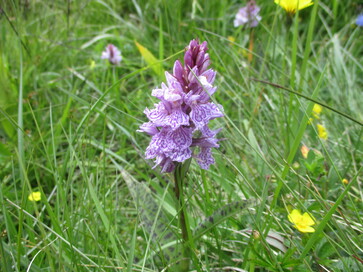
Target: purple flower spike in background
112 54
179 122
360 20
248 15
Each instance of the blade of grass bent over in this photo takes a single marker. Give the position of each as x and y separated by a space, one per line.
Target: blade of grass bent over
310 99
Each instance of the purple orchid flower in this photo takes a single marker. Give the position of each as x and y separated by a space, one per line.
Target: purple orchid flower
248 15
112 54
178 124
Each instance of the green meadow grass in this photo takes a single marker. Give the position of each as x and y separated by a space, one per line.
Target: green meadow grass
68 124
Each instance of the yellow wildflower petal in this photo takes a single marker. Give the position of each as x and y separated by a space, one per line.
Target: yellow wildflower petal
305 229
34 196
291 6
294 216
307 219
304 151
317 109
302 222
304 4
322 132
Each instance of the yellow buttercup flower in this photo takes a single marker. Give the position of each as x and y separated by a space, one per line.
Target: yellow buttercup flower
345 181
291 6
304 151
302 222
322 132
35 196
317 109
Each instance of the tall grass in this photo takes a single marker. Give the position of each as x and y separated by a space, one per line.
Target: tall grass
68 130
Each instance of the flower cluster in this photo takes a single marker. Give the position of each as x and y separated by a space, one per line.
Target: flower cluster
323 134
317 109
180 120
248 15
112 54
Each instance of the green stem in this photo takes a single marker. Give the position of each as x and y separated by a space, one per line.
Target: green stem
21 159
292 99
179 174
314 15
251 257
250 46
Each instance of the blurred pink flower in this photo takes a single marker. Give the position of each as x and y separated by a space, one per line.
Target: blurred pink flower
248 15
112 54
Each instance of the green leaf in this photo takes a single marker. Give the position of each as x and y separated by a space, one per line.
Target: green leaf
132 250
4 152
8 128
150 59
326 250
